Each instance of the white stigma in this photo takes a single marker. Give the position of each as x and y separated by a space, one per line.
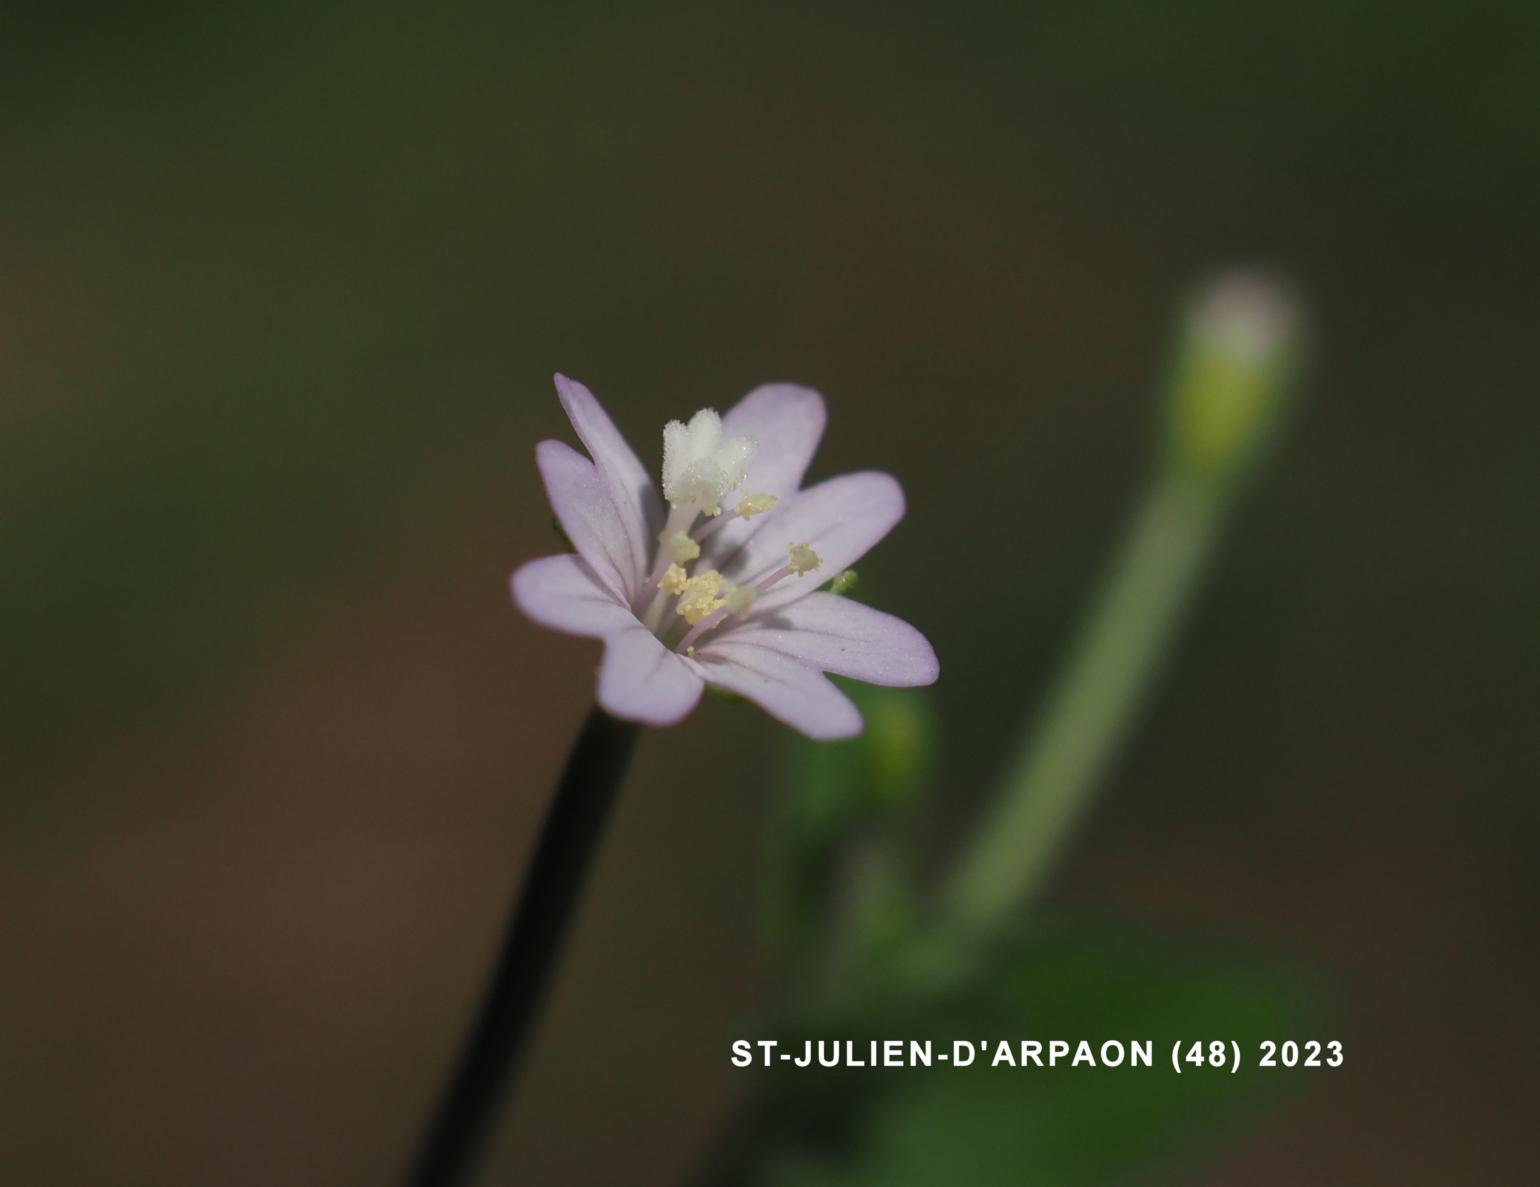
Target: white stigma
700 467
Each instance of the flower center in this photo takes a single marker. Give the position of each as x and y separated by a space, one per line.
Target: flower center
701 469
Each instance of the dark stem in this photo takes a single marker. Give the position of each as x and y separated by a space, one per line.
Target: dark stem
489 1065
734 1152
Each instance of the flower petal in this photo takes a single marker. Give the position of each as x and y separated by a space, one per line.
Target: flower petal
642 680
587 514
627 480
841 518
786 422
835 634
563 593
785 688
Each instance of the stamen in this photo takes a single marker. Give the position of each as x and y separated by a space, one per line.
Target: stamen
748 506
713 523
735 599
698 598
751 505
803 559
739 599
679 546
679 521
674 580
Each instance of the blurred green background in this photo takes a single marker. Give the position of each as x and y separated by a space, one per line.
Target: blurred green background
281 291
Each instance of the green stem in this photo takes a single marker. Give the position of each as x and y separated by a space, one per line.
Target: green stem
1052 777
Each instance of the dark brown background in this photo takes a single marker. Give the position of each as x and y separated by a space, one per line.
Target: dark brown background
280 293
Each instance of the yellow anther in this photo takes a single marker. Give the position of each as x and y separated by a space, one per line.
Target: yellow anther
801 559
738 599
698 599
680 546
751 505
674 580
709 582
696 610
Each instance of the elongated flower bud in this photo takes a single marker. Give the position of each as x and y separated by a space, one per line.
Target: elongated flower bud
1235 364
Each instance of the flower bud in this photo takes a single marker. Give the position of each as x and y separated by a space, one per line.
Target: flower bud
844 583
1236 360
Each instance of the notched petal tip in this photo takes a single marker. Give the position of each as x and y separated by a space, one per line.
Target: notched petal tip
626 479
787 422
798 409
587 514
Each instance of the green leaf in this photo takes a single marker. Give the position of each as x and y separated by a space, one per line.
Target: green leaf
1064 1126
839 795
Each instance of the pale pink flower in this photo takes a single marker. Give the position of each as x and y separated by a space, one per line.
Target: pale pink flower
717 582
